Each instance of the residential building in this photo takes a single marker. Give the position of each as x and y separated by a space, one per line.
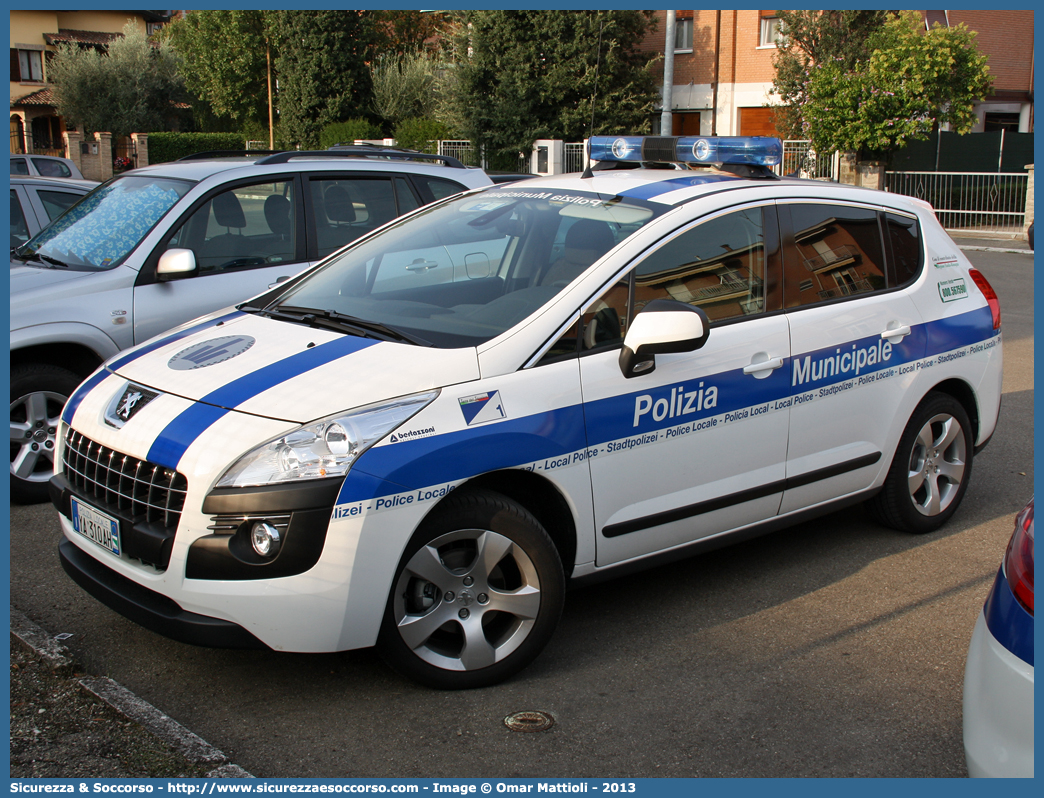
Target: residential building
35 36
723 69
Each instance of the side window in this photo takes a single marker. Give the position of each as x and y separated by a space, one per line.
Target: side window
405 197
835 252
904 238
19 166
57 202
440 188
243 227
346 208
603 326
49 168
19 229
718 265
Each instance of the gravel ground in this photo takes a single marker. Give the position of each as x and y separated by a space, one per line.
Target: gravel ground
59 730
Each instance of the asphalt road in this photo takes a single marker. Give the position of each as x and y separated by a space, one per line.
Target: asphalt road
835 648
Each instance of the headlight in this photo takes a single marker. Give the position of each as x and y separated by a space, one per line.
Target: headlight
324 448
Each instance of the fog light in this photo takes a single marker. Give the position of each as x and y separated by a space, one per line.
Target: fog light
265 539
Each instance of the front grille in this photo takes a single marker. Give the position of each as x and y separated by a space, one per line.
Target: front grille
144 491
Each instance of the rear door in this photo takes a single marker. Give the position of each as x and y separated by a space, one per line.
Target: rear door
856 336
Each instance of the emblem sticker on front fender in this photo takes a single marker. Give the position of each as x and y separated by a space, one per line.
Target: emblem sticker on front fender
208 353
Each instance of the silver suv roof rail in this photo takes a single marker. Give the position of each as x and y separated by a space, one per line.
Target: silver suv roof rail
337 151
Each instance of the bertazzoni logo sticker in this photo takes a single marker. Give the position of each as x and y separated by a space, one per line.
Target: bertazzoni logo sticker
216 350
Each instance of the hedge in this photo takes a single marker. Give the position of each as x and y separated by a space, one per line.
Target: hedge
165 147
347 132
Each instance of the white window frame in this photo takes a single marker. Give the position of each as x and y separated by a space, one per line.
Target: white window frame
680 26
769 34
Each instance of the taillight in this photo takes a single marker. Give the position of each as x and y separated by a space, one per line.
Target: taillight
991 296
1018 561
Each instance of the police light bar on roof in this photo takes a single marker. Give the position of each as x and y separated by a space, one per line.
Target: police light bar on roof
753 150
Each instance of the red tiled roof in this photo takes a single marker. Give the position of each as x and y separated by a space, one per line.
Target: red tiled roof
64 36
39 97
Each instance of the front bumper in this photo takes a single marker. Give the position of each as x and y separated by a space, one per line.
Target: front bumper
149 608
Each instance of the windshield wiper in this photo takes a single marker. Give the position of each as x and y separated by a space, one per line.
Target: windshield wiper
25 257
52 261
331 319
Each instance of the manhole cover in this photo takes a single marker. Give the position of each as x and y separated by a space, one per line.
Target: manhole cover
529 721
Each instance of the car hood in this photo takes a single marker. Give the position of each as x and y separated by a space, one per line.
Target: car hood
286 371
30 278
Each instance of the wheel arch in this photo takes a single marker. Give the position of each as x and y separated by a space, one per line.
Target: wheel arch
76 357
542 499
963 393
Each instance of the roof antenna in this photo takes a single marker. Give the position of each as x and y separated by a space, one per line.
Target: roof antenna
594 93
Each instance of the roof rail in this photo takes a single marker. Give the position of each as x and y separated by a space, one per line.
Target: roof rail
367 150
225 154
337 151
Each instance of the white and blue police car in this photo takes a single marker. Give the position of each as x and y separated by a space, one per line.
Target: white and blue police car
998 675
422 440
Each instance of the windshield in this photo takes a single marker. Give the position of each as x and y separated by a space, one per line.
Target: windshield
106 225
463 272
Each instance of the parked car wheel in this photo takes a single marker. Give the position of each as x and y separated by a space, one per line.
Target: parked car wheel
931 468
477 596
38 394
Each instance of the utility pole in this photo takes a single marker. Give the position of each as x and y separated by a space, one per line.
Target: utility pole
666 125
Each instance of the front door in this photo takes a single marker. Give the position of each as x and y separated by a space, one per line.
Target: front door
698 446
244 239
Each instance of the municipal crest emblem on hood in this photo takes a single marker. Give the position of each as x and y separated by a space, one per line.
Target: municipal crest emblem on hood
207 353
127 403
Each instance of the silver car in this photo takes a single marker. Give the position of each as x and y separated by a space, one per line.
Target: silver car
44 166
157 246
38 201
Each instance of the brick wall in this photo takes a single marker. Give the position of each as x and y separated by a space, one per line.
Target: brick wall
742 61
1007 38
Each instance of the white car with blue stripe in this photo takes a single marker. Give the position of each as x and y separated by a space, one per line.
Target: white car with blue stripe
422 440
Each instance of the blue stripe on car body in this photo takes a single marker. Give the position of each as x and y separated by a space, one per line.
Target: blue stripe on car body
122 360
561 431
650 190
1008 620
170 445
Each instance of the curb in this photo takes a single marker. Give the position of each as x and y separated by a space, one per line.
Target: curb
188 744
996 249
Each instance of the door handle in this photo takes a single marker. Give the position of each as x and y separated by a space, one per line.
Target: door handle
760 369
279 280
898 332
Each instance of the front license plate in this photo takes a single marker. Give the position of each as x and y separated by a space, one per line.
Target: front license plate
96 526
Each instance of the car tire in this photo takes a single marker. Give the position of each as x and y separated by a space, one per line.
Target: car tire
476 597
38 394
931 468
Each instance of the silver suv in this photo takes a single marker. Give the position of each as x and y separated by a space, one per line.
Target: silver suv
157 246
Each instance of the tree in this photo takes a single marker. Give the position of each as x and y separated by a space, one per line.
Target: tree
913 83
322 70
816 37
524 75
130 88
404 32
405 86
225 62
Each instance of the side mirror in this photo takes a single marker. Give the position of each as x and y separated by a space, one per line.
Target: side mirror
664 326
175 264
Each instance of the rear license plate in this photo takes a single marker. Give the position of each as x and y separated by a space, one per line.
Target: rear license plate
96 526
